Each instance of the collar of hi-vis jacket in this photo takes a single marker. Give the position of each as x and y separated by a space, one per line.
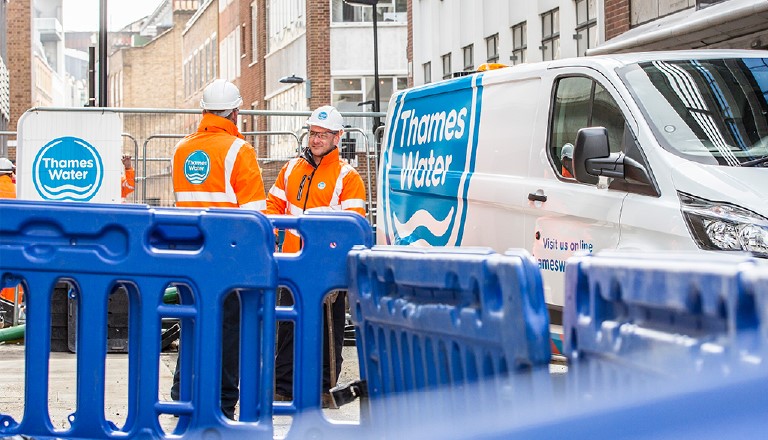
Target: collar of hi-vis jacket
329 158
216 124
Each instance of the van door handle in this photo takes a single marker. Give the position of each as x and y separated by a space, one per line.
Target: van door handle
536 197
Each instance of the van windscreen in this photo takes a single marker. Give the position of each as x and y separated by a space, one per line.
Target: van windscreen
712 111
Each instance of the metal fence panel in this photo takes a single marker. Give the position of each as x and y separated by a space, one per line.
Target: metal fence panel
150 135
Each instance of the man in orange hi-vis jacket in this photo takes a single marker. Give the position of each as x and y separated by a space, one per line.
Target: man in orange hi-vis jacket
128 180
7 182
8 191
215 167
318 180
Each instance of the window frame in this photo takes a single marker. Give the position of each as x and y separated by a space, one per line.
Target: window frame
254 32
553 37
629 145
469 66
518 50
449 72
585 28
492 41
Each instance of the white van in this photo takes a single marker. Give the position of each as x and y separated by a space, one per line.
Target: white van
669 151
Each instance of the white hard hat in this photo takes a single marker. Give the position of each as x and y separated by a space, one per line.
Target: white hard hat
327 117
221 95
567 152
6 166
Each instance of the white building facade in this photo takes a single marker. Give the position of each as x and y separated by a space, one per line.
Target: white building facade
333 54
453 36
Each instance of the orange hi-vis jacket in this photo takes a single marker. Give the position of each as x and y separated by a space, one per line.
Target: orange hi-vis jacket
128 182
215 167
300 187
7 191
7 187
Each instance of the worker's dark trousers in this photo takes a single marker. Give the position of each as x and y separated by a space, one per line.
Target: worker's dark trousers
284 355
230 358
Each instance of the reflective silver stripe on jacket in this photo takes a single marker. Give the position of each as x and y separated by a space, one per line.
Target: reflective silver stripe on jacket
277 192
200 196
229 166
259 205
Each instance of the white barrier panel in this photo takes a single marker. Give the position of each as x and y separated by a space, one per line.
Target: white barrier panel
69 156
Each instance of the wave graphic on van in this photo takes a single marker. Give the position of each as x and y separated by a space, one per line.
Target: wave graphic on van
428 161
421 218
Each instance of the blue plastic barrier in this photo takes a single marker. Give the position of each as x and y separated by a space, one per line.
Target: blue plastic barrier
461 319
705 408
95 247
311 274
632 319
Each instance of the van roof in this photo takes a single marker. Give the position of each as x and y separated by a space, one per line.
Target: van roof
612 61
636 57
618 60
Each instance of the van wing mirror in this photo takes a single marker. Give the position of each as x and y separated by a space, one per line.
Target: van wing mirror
592 157
591 144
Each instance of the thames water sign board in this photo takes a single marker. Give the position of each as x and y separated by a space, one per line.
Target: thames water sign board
69 156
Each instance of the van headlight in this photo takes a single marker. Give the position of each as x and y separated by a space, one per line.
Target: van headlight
725 227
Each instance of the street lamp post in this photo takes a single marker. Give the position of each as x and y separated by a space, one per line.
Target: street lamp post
376 97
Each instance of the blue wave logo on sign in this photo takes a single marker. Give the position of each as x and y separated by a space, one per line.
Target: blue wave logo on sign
67 168
197 166
430 152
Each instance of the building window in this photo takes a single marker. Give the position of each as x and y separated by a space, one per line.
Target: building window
214 57
347 93
446 66
492 47
586 26
469 58
386 11
230 56
427 67
285 21
519 43
207 61
223 5
550 35
581 102
701 4
254 33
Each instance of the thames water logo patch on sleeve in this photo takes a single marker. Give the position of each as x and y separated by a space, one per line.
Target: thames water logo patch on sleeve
197 167
67 168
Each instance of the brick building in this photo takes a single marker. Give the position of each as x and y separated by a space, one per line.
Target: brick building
200 63
20 25
150 76
5 86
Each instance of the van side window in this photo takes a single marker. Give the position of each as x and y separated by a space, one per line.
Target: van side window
581 102
606 113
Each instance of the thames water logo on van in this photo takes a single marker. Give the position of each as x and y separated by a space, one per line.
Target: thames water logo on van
197 167
430 152
67 168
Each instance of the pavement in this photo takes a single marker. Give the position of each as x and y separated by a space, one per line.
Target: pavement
62 388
